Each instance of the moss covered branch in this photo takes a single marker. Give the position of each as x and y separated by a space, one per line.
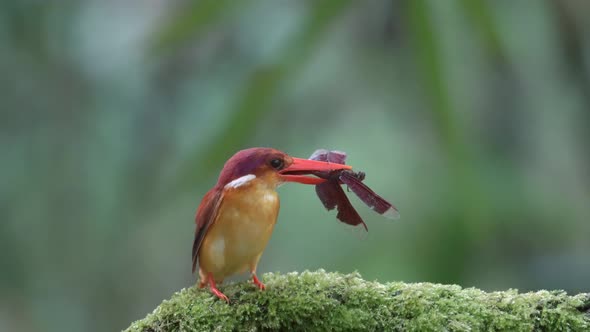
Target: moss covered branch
332 301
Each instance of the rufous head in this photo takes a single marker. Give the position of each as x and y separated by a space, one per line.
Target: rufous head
272 166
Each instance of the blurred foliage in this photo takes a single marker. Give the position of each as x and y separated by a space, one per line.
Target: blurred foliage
471 116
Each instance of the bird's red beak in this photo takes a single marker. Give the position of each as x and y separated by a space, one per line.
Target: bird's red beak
300 168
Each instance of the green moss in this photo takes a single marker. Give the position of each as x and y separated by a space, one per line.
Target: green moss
332 301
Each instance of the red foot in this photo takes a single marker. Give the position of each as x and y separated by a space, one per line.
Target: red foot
216 291
258 282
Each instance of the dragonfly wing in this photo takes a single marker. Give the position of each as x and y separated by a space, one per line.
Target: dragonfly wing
332 195
337 157
369 197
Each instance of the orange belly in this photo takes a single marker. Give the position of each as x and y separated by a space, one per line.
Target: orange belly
238 236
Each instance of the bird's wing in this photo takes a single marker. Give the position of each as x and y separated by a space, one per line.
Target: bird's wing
206 214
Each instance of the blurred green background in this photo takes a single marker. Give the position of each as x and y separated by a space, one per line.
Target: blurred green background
472 116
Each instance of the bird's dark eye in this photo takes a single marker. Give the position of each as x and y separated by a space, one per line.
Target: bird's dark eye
277 164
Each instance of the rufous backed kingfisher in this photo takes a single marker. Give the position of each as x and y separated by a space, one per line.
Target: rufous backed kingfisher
236 217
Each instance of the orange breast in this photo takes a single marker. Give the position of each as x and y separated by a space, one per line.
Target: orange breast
243 226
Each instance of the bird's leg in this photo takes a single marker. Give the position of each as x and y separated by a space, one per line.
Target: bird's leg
255 279
257 282
216 291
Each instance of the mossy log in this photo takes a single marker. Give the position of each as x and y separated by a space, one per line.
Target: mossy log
311 301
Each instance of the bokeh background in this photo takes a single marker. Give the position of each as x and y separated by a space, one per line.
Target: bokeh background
472 116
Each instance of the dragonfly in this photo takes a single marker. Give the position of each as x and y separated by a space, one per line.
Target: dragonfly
333 196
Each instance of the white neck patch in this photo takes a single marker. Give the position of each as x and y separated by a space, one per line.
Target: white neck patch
241 181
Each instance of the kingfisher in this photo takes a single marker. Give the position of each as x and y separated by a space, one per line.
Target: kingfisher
237 216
